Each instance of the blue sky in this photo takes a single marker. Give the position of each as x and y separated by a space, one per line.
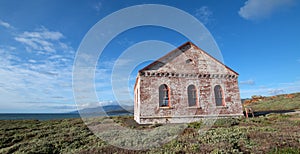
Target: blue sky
39 39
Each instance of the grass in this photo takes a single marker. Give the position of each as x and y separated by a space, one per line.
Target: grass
275 133
279 102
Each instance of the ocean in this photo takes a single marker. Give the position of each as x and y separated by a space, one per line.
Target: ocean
50 116
36 116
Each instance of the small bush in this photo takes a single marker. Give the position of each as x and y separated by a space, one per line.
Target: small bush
195 125
284 150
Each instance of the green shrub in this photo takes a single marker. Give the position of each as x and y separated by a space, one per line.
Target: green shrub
277 150
195 125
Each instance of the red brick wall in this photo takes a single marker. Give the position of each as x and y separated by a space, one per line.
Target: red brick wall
204 72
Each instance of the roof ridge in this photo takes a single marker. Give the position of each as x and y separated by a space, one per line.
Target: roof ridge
179 48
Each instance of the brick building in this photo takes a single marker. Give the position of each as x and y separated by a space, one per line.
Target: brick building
186 85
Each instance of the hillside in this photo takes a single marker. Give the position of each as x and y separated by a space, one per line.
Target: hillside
106 110
273 103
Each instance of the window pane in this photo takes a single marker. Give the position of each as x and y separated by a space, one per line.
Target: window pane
218 95
163 95
192 95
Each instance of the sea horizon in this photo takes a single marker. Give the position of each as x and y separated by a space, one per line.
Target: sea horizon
48 116
37 116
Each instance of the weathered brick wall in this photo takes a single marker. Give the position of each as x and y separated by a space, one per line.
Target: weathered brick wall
203 71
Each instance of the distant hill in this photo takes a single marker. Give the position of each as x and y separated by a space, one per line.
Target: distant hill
278 102
108 109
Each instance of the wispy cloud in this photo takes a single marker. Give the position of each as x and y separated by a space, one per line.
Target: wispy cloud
276 91
259 9
267 90
42 79
5 24
247 82
41 40
204 14
47 107
36 82
125 42
98 6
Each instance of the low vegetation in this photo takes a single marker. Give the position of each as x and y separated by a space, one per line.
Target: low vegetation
274 133
279 102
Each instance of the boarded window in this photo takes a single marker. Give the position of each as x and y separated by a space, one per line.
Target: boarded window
192 95
218 95
164 99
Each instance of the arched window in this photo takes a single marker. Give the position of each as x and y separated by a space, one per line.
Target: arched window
219 96
164 98
192 95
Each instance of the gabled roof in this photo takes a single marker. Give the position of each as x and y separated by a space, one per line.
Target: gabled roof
176 52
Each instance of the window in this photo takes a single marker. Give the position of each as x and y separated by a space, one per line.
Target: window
219 96
164 98
188 61
192 95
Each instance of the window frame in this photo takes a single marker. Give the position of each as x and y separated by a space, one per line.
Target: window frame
165 96
192 92
220 93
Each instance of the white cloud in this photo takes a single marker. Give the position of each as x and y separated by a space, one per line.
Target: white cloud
43 33
5 24
204 14
47 107
258 9
32 61
269 90
42 40
276 91
98 6
34 82
247 82
125 42
39 78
